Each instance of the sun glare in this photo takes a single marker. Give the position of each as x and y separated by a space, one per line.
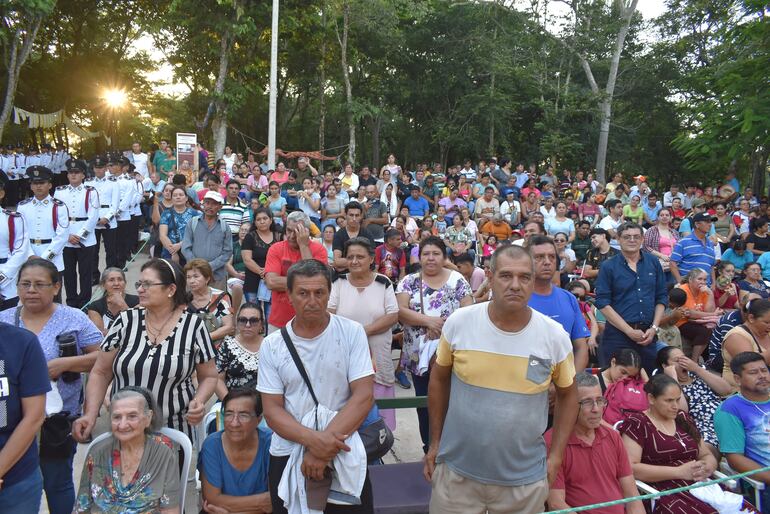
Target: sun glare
115 98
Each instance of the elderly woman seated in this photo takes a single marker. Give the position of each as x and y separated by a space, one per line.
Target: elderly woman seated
135 470
233 464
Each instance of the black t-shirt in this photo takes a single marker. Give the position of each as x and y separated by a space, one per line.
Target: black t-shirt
258 249
368 181
760 243
100 306
341 237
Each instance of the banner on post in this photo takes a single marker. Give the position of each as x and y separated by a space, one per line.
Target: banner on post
187 149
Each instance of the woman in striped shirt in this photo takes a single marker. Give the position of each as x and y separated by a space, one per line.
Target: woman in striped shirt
158 346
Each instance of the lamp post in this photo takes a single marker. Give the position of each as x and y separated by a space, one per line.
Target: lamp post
273 89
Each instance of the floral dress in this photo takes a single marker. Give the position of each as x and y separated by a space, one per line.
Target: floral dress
239 364
156 484
703 402
437 302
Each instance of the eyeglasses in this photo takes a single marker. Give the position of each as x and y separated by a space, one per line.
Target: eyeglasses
146 284
39 286
632 237
242 417
249 321
589 403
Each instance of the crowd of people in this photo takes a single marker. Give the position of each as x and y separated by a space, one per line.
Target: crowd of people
571 336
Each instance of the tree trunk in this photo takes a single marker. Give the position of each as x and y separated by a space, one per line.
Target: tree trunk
492 112
343 40
219 125
322 94
758 170
626 12
16 57
376 126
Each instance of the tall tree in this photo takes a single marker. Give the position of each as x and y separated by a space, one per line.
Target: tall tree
21 20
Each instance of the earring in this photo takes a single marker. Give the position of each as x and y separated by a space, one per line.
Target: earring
170 295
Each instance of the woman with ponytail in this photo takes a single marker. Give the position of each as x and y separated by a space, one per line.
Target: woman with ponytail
666 450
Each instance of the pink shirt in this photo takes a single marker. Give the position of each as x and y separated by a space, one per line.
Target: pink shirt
262 184
666 244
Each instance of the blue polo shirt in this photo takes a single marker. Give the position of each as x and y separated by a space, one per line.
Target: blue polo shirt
632 294
562 307
23 374
418 207
690 253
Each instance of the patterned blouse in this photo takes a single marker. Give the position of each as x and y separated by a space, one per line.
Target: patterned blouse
239 365
703 402
154 486
437 302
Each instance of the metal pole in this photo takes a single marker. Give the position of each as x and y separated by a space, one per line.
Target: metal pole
273 88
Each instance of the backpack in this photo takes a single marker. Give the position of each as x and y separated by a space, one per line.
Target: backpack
624 396
194 223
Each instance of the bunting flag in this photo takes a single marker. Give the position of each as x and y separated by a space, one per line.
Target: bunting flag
37 120
293 155
52 119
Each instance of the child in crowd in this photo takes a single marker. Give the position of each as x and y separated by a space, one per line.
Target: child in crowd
489 247
390 258
580 291
441 223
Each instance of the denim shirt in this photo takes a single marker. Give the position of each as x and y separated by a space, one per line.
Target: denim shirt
632 294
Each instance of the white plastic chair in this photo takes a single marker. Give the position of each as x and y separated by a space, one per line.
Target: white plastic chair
754 484
184 443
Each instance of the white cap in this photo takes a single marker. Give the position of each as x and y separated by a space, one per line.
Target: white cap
213 195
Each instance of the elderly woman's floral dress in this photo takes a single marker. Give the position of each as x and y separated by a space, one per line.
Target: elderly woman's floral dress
154 486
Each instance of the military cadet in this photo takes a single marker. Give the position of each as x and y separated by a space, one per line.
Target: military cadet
46 157
45 218
83 204
136 208
107 226
14 251
57 165
34 158
127 191
18 167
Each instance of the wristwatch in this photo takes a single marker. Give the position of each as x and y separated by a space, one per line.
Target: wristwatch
654 327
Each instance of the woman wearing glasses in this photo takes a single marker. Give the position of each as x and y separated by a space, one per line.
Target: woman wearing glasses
70 342
233 463
157 346
238 356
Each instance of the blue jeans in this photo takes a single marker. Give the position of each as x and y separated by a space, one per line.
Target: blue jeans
421 389
57 482
23 497
614 340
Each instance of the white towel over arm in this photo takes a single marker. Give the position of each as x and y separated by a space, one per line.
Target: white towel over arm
349 468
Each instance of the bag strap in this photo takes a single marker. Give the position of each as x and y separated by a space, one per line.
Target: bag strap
17 316
215 301
298 362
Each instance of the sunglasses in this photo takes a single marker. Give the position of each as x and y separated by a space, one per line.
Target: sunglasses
249 321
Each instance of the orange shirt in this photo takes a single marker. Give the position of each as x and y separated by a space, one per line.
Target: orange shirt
694 302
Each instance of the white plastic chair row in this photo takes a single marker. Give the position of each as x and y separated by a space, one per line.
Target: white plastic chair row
754 484
184 443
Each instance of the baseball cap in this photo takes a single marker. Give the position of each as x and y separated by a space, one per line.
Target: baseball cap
704 216
213 195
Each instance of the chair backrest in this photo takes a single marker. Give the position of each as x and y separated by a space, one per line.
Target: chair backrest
184 443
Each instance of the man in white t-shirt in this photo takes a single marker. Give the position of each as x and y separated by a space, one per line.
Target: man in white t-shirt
335 354
140 160
612 221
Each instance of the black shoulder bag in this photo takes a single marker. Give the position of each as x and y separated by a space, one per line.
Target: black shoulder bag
376 436
56 440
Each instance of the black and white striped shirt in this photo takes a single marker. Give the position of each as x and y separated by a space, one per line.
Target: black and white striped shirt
165 369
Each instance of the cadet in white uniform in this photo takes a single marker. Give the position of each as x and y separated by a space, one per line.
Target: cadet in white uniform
127 190
83 204
107 226
45 218
14 251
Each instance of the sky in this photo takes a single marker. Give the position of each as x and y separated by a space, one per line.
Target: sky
162 78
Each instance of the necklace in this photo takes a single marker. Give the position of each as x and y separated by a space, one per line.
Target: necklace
154 334
658 424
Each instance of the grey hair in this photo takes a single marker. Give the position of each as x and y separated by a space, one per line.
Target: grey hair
299 217
106 273
584 379
308 268
150 406
511 251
